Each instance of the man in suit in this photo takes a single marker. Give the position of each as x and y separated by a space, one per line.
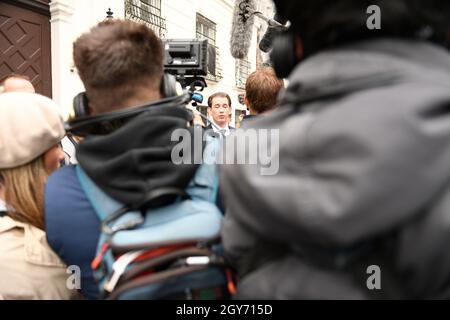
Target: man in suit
219 107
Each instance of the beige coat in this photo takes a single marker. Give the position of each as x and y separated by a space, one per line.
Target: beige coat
29 269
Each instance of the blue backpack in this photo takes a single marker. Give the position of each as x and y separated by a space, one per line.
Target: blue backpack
171 252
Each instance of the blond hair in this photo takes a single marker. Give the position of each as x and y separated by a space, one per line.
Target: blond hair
24 192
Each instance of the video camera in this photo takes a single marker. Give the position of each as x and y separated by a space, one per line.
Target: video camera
187 60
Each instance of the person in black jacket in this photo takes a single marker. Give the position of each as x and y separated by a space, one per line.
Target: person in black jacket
121 65
360 206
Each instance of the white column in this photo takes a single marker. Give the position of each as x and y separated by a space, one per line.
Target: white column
69 19
62 69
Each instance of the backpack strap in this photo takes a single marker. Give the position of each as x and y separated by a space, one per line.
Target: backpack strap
107 209
103 206
202 190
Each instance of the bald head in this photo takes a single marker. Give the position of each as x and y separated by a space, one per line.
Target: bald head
17 84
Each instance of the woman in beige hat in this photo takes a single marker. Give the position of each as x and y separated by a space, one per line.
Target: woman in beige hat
31 128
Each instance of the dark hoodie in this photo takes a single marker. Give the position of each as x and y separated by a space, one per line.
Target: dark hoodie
136 159
361 161
126 164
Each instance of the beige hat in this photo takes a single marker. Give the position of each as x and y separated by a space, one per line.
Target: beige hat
30 124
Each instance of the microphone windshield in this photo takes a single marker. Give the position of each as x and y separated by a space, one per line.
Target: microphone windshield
242 28
266 42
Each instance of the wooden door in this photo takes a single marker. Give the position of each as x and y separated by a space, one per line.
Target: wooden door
25 42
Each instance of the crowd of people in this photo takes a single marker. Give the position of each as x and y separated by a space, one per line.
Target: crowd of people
364 156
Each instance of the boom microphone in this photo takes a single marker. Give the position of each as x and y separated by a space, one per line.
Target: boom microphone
242 28
275 26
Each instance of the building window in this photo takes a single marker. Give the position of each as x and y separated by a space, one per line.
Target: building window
148 12
206 29
242 72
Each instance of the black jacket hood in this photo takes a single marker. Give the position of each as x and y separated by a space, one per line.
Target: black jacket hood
136 159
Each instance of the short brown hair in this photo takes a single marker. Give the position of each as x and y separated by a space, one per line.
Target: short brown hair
262 89
218 95
115 59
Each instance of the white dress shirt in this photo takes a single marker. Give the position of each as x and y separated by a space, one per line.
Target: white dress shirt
225 131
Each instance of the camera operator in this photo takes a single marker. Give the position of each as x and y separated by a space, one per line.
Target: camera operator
360 206
121 65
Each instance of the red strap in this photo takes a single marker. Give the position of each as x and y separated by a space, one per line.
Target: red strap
230 283
161 251
98 259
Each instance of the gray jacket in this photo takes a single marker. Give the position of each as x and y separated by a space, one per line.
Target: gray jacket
364 179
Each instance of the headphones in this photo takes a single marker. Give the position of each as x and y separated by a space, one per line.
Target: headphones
168 89
82 124
168 86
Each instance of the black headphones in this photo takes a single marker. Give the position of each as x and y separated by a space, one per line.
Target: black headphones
168 86
168 89
82 124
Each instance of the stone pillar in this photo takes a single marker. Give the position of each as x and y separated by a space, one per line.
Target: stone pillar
62 66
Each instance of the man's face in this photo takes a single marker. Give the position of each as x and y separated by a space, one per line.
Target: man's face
18 85
219 111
